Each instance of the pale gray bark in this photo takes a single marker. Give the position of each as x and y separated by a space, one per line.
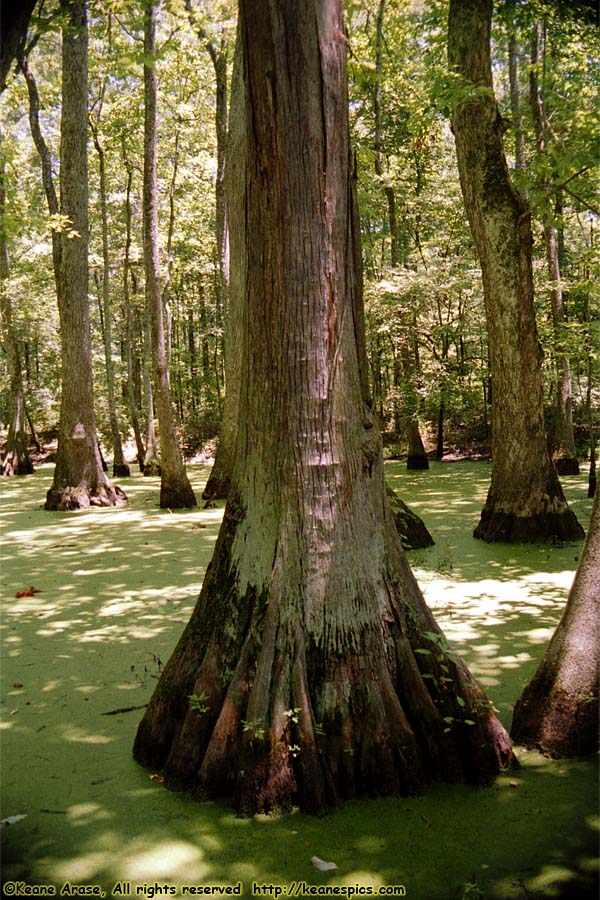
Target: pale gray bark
525 501
175 488
120 468
565 451
78 476
16 459
131 397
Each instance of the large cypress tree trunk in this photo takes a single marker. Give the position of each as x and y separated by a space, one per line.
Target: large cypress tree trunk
175 489
525 500
78 477
558 710
311 669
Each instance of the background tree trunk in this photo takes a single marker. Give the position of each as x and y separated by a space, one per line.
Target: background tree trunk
128 314
175 490
558 710
314 667
120 467
217 486
16 459
78 477
525 501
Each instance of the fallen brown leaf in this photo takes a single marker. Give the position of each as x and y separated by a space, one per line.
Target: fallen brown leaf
28 592
157 778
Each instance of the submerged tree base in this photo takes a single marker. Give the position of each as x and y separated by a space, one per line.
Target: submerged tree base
176 495
121 470
557 722
83 496
17 460
217 486
255 708
539 528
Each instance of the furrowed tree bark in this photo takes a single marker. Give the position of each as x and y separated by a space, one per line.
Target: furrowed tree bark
558 710
525 502
16 459
311 669
79 480
175 489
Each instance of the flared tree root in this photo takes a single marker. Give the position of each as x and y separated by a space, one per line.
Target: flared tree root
558 525
252 708
83 496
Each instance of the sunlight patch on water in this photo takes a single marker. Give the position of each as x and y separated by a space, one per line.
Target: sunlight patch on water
164 859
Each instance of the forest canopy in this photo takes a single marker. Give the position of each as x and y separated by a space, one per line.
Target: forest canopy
426 337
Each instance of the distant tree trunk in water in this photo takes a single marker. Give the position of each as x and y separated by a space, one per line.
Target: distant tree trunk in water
217 486
175 490
16 460
564 449
302 647
439 447
79 480
131 394
151 456
525 502
417 457
120 467
558 710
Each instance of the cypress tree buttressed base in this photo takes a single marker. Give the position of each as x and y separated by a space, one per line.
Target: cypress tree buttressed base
82 496
257 706
553 526
176 495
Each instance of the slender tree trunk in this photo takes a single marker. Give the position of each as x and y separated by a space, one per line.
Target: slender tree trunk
525 501
151 465
515 101
558 710
120 467
379 171
564 449
219 479
79 480
301 656
131 393
217 486
175 490
16 460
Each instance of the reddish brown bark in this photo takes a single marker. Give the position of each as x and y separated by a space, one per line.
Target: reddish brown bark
558 710
311 669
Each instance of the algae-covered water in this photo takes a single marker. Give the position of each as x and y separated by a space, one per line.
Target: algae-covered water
115 589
